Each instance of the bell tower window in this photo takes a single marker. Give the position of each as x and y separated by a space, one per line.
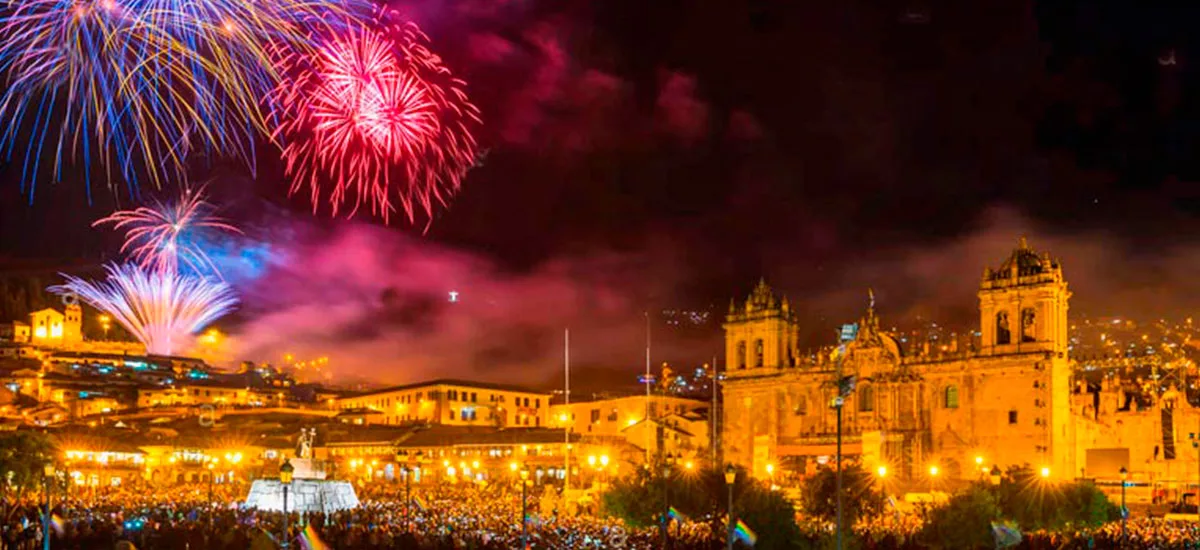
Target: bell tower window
758 352
741 354
1003 333
1028 323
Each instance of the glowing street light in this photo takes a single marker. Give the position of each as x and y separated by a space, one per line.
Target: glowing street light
1045 472
524 508
286 470
882 471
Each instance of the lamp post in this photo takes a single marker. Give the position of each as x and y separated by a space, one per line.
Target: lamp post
730 477
668 462
210 493
524 510
404 471
845 387
285 479
882 471
48 474
995 475
1124 511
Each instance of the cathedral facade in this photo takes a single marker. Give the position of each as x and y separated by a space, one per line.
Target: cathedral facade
1005 401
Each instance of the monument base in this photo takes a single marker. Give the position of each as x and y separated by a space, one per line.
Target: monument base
303 495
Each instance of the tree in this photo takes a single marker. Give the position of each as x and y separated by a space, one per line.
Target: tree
965 521
638 499
23 455
1035 502
860 495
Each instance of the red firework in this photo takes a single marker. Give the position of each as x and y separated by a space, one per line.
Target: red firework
373 117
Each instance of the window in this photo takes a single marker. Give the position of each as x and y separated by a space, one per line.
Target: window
1003 336
741 355
451 414
802 406
474 397
866 399
537 403
951 399
464 414
1027 325
758 352
1012 417
595 415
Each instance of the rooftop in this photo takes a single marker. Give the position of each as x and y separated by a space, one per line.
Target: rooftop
452 382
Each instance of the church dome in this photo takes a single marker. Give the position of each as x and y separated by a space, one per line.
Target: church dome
1023 262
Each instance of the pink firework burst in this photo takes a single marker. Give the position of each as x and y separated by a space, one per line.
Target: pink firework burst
373 118
167 235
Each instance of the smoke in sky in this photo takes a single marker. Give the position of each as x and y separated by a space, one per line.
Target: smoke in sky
1108 275
392 309
379 303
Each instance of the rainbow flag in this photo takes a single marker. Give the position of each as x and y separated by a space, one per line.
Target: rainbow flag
311 540
745 533
420 502
1006 535
56 523
675 515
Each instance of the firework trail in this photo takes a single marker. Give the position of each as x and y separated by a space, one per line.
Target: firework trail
162 238
162 310
135 86
373 118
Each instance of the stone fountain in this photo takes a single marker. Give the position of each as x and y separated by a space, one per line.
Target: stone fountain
309 490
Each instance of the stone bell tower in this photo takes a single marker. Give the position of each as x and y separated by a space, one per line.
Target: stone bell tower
763 333
1023 305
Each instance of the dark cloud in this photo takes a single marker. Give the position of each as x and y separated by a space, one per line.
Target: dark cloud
378 304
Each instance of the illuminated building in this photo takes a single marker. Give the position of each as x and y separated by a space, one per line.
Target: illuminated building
444 453
1008 401
49 327
453 402
622 421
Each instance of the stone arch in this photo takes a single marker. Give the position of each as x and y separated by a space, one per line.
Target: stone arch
1003 330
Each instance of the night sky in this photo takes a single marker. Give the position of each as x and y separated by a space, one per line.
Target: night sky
685 149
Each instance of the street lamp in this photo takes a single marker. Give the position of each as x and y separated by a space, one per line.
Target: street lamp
996 473
406 474
211 467
48 474
933 473
1124 511
882 472
285 479
524 508
730 477
1045 472
668 462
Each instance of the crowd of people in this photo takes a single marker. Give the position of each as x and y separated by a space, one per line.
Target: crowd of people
446 518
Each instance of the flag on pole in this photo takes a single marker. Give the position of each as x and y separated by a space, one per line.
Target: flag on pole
1006 535
744 533
312 540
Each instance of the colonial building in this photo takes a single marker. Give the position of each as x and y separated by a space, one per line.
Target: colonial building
453 402
1005 400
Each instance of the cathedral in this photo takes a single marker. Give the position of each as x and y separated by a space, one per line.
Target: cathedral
947 413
